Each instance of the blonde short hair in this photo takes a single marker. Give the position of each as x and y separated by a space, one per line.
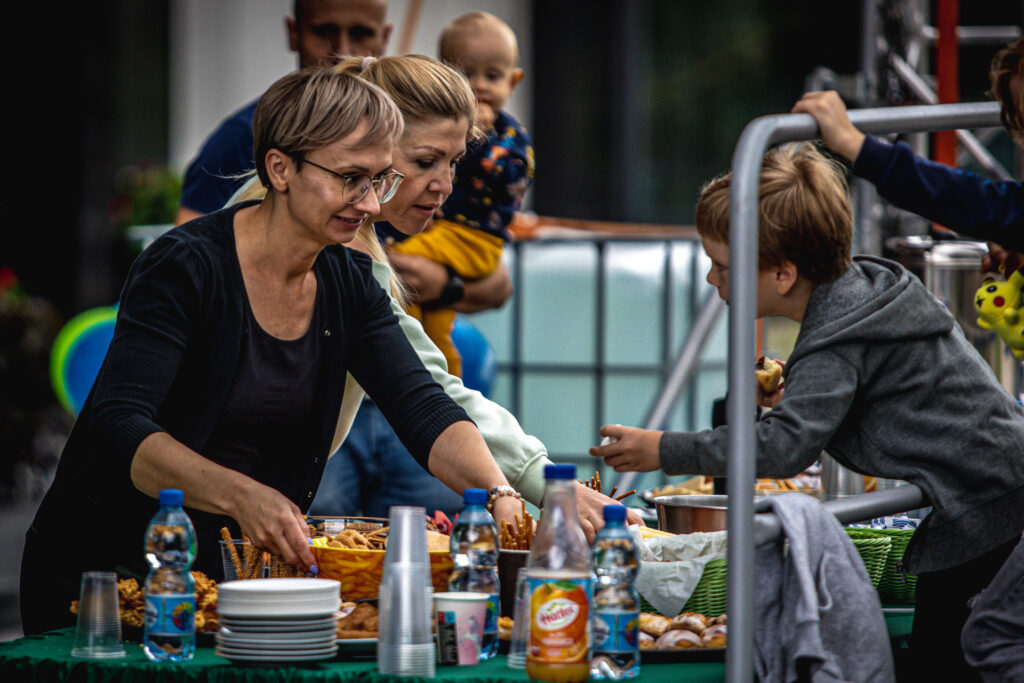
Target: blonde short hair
804 213
422 88
316 106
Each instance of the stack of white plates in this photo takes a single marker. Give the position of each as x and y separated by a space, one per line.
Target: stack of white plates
278 620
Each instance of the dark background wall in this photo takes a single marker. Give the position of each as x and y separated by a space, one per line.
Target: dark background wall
639 103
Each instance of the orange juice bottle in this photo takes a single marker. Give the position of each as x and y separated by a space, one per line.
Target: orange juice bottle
558 575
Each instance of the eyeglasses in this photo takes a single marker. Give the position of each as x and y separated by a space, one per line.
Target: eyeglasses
357 185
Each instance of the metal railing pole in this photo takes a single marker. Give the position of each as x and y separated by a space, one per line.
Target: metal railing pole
680 374
746 171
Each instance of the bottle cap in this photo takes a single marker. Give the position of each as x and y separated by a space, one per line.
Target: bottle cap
474 496
560 471
171 497
614 513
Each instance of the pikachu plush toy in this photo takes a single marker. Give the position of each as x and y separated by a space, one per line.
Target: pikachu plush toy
999 309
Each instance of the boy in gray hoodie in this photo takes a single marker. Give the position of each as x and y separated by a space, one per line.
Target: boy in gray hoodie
881 377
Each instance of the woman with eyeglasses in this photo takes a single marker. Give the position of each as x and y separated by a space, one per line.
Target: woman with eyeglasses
372 469
226 373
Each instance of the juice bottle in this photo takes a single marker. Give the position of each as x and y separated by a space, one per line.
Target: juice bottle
559 582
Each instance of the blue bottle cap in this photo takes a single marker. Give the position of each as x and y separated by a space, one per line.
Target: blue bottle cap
171 497
474 496
614 513
560 471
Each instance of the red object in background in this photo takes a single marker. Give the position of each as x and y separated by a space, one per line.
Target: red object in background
443 524
947 70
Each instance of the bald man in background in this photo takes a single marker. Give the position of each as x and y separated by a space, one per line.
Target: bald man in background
321 32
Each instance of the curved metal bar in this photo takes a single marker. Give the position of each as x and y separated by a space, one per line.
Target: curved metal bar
746 170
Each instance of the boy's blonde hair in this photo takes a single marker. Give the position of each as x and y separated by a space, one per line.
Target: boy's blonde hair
804 213
1006 64
314 107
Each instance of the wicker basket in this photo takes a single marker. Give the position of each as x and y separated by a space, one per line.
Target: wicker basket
894 586
708 597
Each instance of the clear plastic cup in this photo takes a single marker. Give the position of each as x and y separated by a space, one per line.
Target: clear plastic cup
98 633
520 623
407 535
407 660
234 562
405 605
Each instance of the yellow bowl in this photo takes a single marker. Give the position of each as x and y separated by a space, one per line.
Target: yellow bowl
360 571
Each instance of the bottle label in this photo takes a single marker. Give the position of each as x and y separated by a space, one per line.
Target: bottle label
170 615
615 631
559 619
491 621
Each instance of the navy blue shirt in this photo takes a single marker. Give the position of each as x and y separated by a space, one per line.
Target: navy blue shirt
212 177
958 199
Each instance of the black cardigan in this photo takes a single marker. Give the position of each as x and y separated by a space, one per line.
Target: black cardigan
169 368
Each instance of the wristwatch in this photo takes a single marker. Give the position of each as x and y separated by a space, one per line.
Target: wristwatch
451 293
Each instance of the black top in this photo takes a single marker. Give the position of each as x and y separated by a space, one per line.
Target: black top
184 361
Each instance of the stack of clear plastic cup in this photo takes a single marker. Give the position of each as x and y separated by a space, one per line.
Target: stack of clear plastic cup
405 643
520 622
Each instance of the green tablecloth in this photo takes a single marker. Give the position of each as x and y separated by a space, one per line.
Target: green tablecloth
48 658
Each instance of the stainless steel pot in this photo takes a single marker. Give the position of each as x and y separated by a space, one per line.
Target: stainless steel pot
951 270
686 513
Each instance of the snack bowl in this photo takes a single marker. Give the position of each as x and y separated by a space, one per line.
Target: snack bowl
331 525
683 514
360 570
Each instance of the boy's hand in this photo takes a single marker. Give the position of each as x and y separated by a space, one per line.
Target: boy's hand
837 132
635 450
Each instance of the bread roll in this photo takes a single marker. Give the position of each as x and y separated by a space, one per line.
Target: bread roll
714 636
654 624
690 621
769 374
678 639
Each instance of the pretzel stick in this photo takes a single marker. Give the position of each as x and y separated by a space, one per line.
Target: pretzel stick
627 494
226 535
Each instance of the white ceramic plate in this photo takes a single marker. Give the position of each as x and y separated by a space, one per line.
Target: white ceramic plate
274 644
277 636
274 658
311 650
278 622
275 609
261 589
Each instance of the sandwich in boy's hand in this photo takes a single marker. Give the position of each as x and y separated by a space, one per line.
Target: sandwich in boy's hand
769 374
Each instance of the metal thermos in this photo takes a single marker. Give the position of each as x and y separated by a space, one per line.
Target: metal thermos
838 481
951 270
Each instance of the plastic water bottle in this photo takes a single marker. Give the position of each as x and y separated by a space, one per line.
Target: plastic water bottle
475 555
170 628
558 576
616 607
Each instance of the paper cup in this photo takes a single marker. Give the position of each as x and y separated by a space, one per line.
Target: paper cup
460 626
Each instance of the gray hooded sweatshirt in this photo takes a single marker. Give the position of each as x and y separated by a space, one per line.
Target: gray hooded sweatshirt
882 378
